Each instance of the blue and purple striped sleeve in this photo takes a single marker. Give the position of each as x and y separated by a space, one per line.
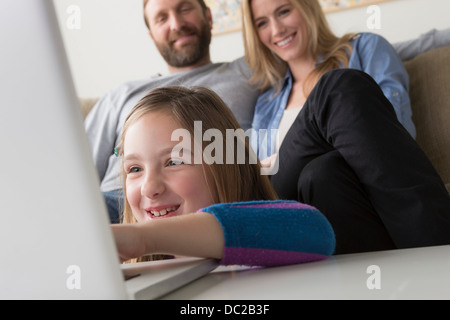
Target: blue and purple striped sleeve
273 233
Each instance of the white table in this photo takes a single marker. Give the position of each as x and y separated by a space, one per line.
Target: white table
419 273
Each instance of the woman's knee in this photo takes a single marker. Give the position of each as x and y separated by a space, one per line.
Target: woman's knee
322 175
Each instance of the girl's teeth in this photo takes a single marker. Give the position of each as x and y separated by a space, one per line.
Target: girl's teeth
162 212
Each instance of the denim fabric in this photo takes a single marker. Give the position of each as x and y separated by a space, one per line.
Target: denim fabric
114 203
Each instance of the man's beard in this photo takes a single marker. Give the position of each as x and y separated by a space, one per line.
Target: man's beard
190 54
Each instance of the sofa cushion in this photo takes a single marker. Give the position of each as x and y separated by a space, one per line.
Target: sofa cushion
430 100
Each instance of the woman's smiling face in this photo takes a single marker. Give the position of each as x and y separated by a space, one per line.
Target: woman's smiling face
161 183
281 28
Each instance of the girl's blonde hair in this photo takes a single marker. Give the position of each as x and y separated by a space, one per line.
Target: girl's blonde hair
230 182
269 70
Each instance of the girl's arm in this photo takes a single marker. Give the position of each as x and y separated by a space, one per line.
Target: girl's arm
197 234
265 233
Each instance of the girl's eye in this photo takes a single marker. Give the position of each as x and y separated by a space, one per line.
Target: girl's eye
172 163
134 170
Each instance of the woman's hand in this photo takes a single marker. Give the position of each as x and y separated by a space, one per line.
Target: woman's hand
270 164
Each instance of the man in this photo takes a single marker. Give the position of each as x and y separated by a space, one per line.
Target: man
181 30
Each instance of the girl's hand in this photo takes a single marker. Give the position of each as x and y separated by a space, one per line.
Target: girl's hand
196 235
129 240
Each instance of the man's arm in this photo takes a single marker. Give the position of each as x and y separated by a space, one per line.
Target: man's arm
101 127
430 40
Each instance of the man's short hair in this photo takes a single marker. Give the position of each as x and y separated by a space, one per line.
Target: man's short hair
201 2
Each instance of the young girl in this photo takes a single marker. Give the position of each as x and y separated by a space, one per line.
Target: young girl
215 205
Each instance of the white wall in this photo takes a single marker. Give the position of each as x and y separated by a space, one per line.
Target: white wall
107 41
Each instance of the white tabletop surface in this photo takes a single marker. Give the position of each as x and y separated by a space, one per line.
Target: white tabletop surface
419 273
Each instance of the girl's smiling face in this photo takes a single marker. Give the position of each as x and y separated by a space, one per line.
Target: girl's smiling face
159 184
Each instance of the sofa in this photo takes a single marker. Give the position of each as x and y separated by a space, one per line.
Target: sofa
429 75
430 99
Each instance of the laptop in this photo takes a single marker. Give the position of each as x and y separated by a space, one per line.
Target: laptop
55 237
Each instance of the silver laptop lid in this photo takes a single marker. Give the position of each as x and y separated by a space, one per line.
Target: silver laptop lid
55 238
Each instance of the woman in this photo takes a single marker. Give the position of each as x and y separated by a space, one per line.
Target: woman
189 194
289 46
344 150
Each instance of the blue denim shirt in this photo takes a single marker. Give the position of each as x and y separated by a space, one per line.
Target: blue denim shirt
372 54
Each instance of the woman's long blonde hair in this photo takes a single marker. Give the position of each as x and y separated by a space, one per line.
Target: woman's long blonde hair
269 70
234 182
